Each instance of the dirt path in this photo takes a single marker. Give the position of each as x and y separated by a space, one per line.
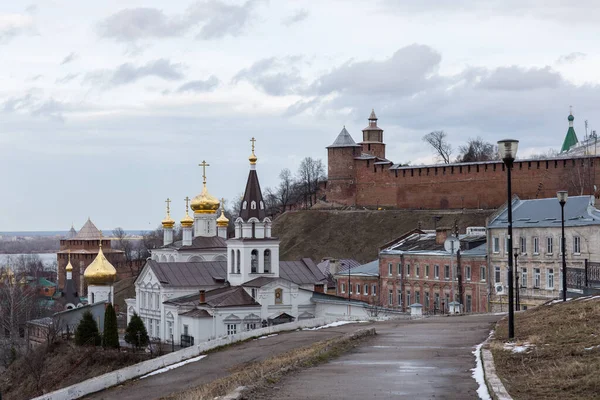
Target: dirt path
219 364
426 359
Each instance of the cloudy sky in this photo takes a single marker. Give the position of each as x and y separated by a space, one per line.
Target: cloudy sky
106 108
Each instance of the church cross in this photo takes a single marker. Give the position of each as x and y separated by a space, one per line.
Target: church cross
168 201
187 202
204 164
253 140
571 110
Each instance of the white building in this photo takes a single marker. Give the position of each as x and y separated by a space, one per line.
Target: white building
537 239
207 287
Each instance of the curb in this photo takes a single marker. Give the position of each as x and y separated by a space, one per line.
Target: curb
493 382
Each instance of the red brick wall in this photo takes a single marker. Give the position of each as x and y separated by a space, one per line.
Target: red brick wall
341 174
462 186
362 281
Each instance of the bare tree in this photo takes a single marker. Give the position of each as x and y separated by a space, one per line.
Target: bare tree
581 180
122 242
438 141
310 173
551 153
236 205
477 150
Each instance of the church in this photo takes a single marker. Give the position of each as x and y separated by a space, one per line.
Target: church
208 286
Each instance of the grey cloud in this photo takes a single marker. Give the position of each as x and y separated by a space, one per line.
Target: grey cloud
571 58
199 85
298 16
517 78
216 18
36 77
71 57
12 25
67 78
129 73
34 104
274 76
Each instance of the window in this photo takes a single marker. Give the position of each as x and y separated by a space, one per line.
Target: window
469 301
497 275
505 244
418 297
436 300
407 269
238 262
267 260
408 298
537 278
436 271
427 300
426 271
366 292
253 291
350 288
399 298
253 205
446 272
144 300
549 245
358 288
233 261
536 245
550 278
468 272
231 329
560 245
186 330
157 328
390 297
417 269
374 291
399 269
524 277
170 329
576 245
254 261
157 301
496 245
482 273
251 326
390 268
523 245
343 288
279 296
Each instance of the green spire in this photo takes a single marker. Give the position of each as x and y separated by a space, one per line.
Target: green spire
571 138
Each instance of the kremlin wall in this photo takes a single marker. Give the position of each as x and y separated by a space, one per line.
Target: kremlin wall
359 175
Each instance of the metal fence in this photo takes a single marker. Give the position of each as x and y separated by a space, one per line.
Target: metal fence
586 277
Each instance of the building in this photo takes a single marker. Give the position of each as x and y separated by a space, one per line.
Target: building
416 268
360 283
332 266
537 243
232 285
359 174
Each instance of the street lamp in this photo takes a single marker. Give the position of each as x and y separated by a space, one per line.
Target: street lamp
562 196
507 149
517 287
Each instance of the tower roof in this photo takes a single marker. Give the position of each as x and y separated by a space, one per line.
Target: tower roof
344 140
89 232
252 202
372 123
372 116
571 138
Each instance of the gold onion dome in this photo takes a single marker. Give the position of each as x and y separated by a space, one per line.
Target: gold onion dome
69 267
168 222
100 271
222 220
205 203
187 221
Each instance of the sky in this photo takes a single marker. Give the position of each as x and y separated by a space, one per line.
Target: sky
107 108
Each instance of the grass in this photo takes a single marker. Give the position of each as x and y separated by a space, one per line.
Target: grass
271 370
558 366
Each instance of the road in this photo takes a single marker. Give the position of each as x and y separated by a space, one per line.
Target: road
425 359
219 364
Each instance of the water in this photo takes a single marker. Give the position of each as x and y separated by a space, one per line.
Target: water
47 258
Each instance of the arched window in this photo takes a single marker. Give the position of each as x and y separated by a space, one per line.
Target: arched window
92 298
254 261
267 259
244 205
233 261
253 205
262 205
278 296
237 262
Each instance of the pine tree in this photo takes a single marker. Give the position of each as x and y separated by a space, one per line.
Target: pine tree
87 331
136 333
111 332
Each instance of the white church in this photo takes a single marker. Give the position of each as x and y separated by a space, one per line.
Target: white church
207 286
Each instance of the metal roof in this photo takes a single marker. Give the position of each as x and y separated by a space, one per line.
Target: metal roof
89 232
252 195
228 296
368 269
301 272
425 243
190 274
546 213
344 140
200 242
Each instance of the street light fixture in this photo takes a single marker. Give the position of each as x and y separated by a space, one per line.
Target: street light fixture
562 196
507 150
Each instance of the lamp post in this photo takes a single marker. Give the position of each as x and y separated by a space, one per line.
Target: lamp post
507 150
517 288
562 196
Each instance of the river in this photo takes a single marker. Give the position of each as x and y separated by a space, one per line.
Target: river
47 258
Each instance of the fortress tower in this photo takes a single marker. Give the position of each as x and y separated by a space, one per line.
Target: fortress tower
373 138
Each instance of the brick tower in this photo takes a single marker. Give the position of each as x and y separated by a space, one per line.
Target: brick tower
373 138
341 172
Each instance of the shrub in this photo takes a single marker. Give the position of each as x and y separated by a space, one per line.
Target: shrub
87 331
111 332
136 333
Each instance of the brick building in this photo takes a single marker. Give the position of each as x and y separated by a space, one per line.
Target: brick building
359 174
359 283
83 247
537 242
415 268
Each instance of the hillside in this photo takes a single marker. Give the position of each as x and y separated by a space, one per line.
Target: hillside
358 234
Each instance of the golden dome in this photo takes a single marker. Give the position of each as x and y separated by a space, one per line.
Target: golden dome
187 221
205 203
222 220
100 271
168 221
252 158
69 267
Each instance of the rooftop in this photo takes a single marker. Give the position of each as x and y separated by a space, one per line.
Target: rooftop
424 242
344 140
368 269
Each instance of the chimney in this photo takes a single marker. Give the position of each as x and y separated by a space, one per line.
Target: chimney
203 297
334 266
441 234
319 288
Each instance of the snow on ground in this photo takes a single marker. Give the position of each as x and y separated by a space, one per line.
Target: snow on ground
591 348
560 300
333 324
501 313
266 336
173 366
524 348
478 375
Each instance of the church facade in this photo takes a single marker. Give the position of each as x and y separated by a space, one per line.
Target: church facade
207 286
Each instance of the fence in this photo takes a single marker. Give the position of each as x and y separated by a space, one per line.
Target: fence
583 278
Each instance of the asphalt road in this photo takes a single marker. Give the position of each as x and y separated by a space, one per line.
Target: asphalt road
219 364
425 359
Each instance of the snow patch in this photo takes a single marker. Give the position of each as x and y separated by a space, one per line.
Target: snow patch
592 348
266 336
478 374
560 300
332 325
524 348
173 366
